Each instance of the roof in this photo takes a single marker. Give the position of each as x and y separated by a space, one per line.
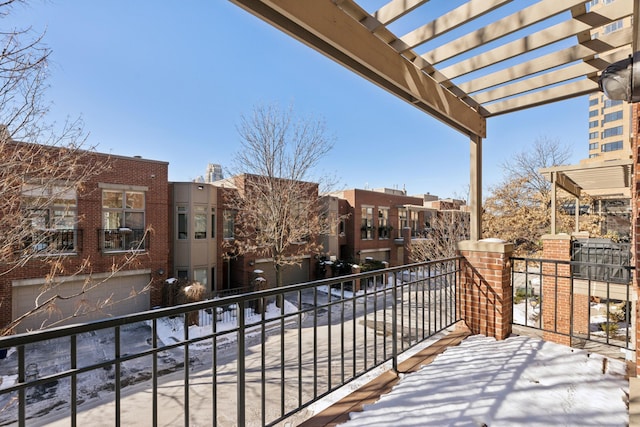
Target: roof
602 179
479 59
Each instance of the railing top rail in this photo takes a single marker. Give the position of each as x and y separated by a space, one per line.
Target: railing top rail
119 321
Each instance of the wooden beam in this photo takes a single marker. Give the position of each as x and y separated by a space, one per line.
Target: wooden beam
554 94
528 16
451 20
321 24
583 52
550 35
396 9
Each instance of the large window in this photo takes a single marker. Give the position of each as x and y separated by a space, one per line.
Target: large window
366 227
614 26
52 211
413 223
402 221
200 222
384 229
611 117
593 113
213 223
183 230
123 220
228 224
612 132
593 146
611 146
594 135
593 124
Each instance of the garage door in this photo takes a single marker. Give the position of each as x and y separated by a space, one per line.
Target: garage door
292 273
125 294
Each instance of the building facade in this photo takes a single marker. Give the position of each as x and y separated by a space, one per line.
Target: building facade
103 247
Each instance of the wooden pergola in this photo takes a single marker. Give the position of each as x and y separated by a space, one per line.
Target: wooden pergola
506 59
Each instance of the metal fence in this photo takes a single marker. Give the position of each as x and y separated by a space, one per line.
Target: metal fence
590 306
601 259
207 363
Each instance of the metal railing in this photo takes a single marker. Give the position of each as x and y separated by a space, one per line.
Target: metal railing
601 259
54 241
549 295
123 239
207 363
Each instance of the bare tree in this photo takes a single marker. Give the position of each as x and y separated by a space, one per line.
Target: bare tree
524 166
44 167
518 209
278 209
445 230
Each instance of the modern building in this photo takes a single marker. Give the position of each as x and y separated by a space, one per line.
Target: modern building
375 223
609 121
108 240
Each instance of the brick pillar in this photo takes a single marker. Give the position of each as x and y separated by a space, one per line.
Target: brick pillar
556 289
406 237
485 295
635 207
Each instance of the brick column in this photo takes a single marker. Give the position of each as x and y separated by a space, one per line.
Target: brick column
635 223
556 289
485 296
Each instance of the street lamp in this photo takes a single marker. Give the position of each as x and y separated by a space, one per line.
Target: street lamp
621 80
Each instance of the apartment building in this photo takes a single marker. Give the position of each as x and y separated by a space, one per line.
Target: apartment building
609 121
196 225
377 223
110 237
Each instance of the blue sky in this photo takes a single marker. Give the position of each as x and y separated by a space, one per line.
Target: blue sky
170 82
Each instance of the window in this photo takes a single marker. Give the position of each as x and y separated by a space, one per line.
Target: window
366 227
593 101
611 146
200 275
123 220
611 102
593 113
183 274
183 231
384 229
612 132
614 26
594 135
52 211
593 146
200 222
213 223
413 223
611 117
593 124
593 156
402 221
228 224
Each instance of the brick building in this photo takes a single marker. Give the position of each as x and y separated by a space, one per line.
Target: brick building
375 223
110 238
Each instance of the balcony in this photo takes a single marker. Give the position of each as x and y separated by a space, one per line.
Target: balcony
268 358
54 241
123 239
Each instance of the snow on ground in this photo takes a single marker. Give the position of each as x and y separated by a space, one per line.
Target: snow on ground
516 382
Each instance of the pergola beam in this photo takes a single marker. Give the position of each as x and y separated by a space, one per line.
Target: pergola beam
325 27
524 18
537 40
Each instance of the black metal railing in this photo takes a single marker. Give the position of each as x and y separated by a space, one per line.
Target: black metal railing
251 359
123 239
54 241
601 259
549 295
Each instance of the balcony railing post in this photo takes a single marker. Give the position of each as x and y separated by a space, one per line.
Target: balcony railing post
241 366
394 322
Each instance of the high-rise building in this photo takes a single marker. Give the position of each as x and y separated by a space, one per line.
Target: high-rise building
214 173
609 121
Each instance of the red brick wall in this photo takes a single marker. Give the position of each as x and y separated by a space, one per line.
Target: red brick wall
556 290
485 292
635 206
122 171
